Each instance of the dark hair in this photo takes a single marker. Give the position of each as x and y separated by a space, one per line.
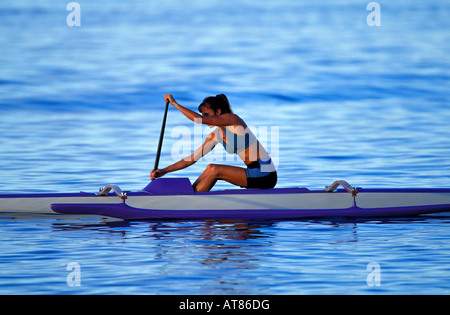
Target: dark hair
219 101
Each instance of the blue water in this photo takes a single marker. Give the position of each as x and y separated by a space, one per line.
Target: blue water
81 107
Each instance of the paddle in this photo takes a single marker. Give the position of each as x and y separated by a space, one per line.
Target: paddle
161 137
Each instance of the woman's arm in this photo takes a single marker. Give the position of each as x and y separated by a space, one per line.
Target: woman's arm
190 114
222 120
207 146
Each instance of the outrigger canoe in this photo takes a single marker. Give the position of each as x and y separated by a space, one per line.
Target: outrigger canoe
174 198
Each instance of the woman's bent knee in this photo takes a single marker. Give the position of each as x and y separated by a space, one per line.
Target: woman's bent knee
213 169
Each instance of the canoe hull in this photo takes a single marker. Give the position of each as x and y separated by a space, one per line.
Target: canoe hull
174 198
41 203
126 212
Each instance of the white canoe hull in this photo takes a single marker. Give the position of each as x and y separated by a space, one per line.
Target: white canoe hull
183 203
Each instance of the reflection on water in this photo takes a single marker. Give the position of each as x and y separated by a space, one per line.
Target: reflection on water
224 257
82 108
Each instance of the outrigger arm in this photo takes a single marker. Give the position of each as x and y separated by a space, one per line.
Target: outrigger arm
104 191
353 191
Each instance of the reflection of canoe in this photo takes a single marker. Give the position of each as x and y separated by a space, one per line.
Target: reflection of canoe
174 198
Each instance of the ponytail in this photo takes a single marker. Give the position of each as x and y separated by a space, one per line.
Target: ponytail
220 101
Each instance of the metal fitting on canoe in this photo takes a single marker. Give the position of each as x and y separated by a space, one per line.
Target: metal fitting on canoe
353 191
121 194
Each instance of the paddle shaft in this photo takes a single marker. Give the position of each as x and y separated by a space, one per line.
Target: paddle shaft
161 137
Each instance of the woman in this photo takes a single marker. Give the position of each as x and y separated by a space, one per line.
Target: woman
233 134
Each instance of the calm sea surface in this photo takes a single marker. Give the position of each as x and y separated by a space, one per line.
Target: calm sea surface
331 97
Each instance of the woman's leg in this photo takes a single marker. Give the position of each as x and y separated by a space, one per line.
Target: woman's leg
213 172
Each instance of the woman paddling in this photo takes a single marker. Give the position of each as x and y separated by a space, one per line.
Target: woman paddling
233 134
